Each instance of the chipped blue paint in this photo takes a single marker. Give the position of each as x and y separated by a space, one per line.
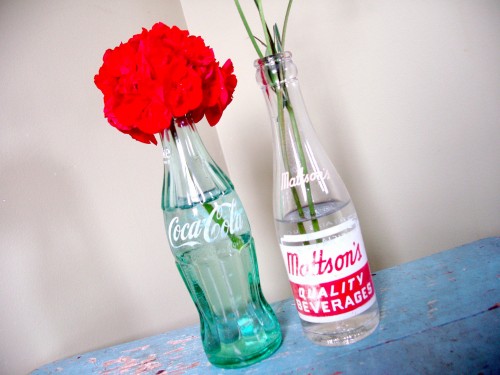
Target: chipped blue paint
440 314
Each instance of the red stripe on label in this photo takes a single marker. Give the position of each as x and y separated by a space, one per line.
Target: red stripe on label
334 297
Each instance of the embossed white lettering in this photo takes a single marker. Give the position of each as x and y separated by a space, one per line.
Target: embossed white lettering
224 219
301 178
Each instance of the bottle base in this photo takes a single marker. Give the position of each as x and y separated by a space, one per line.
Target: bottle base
231 361
344 332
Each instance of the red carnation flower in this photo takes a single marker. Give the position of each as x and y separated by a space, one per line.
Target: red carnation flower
160 74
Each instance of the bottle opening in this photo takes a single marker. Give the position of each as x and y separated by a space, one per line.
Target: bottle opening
273 59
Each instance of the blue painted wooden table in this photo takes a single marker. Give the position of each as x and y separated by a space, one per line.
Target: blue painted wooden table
439 314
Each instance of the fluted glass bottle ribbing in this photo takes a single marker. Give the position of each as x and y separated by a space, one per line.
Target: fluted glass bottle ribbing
316 222
210 237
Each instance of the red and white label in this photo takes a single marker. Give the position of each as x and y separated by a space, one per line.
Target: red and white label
330 280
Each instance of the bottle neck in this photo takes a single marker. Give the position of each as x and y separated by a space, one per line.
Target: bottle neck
275 70
293 134
181 140
191 175
277 77
303 173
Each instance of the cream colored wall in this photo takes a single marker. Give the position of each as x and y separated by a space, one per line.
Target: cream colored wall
84 261
406 94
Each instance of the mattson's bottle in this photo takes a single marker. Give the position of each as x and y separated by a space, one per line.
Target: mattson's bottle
316 222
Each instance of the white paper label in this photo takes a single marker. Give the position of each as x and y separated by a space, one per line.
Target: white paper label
330 280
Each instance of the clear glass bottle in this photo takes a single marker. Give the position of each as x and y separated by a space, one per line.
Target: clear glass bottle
316 222
210 238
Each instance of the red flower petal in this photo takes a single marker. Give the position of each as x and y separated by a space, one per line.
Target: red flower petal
159 74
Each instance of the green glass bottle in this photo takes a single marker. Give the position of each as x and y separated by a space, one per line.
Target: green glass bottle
209 235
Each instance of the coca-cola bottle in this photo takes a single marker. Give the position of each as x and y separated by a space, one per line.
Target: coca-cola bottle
210 238
316 222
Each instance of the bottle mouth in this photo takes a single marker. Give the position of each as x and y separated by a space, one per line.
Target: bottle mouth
275 70
273 59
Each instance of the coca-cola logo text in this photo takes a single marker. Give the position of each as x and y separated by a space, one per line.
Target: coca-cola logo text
223 219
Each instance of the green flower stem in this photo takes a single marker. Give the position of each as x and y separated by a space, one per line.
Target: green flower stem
248 30
285 23
267 35
237 241
281 124
273 47
282 103
298 141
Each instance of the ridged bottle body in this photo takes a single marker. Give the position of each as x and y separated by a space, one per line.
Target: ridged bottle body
316 222
210 238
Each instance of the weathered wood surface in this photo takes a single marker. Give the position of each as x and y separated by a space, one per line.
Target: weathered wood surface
440 314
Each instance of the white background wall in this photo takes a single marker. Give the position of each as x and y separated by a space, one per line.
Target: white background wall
405 96
84 261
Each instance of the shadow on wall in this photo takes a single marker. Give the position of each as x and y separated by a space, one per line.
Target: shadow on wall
53 265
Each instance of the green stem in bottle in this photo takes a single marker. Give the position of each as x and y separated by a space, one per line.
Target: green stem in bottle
282 104
273 47
298 142
236 241
281 124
